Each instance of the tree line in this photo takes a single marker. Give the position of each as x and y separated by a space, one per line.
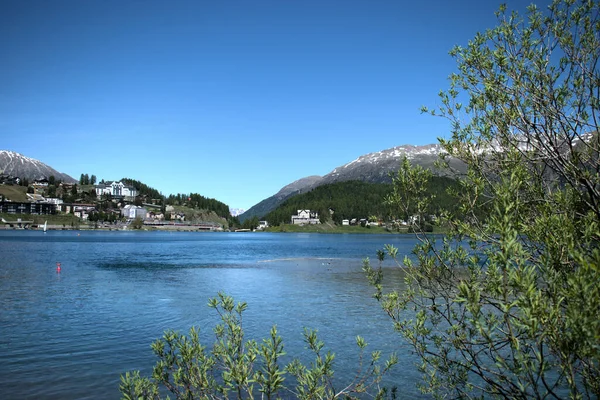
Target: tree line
195 200
86 179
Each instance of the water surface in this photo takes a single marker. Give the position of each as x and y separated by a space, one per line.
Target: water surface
69 335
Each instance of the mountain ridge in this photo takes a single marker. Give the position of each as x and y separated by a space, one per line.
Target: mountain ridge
23 167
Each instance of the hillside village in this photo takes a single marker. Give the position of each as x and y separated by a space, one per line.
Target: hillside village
108 204
116 205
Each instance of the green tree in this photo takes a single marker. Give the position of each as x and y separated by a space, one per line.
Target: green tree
137 223
51 180
233 222
51 191
508 304
93 180
244 369
324 215
251 223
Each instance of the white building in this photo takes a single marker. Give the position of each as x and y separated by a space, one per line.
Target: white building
132 212
115 189
262 225
305 217
54 200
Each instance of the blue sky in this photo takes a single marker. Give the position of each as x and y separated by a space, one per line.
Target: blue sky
229 99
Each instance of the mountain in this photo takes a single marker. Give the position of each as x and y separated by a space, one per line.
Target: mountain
373 167
271 203
23 167
376 167
236 211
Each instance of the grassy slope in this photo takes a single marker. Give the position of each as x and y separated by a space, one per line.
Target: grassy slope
13 192
56 219
193 215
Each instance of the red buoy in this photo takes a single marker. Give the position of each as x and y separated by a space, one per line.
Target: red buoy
57 267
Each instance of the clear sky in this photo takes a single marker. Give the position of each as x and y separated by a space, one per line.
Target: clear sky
229 99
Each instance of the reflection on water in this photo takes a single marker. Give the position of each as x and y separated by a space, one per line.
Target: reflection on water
70 334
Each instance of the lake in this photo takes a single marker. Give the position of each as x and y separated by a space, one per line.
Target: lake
70 335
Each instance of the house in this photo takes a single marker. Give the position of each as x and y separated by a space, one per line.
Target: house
72 207
115 189
174 215
83 211
8 179
154 216
178 216
345 222
262 225
40 182
132 212
305 217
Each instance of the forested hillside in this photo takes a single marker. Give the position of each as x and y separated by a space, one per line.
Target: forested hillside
192 200
355 199
195 200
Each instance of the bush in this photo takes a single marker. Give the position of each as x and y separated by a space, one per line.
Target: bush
508 304
234 367
137 223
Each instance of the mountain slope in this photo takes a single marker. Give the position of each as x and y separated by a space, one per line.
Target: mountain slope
271 203
18 165
373 167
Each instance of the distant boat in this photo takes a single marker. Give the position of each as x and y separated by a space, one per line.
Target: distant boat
45 226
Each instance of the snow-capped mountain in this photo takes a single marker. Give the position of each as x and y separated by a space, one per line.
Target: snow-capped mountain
236 211
376 167
373 167
20 166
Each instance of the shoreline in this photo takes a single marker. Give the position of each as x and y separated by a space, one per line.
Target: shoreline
192 229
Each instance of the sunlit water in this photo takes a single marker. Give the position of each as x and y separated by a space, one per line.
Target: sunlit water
69 335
